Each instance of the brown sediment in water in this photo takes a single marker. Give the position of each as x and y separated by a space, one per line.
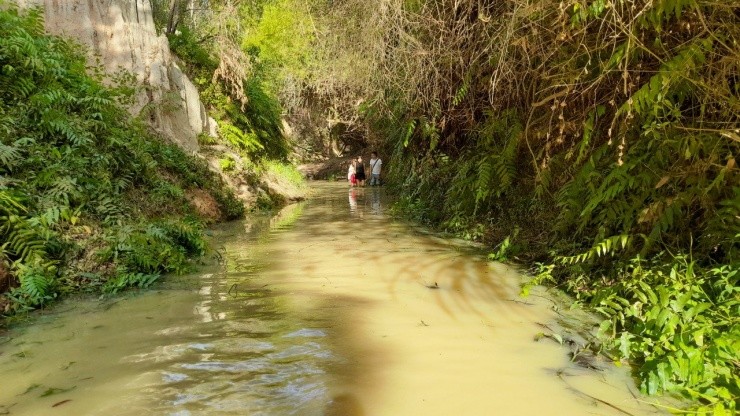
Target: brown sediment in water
324 310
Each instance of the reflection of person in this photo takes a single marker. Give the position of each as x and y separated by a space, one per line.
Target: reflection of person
352 200
351 173
375 202
375 165
360 171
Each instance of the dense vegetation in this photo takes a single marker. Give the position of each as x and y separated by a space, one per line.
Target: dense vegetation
598 138
594 139
226 51
89 200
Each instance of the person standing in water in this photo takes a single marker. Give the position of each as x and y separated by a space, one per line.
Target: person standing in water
351 172
360 171
375 165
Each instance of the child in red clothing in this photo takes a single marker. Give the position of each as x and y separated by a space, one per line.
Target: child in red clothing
351 177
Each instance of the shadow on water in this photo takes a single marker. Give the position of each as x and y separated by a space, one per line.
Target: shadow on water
309 317
253 352
420 259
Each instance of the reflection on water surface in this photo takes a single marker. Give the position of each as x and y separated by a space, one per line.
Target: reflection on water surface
324 309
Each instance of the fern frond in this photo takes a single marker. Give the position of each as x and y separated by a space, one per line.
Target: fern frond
9 157
650 100
461 92
240 139
22 240
483 183
607 246
10 204
409 132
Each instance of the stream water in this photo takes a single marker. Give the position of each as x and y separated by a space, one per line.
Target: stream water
329 308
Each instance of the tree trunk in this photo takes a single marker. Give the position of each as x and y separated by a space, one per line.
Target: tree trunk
174 11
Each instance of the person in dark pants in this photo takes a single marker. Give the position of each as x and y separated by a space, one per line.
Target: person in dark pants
375 164
360 171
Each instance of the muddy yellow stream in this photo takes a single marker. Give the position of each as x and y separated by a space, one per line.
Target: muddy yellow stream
329 308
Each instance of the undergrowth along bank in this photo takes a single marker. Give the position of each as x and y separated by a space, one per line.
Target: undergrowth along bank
603 148
89 199
238 83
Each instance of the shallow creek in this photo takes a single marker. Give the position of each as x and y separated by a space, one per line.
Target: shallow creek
323 309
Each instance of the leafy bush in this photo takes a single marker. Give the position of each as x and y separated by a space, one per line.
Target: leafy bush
126 280
677 321
185 44
154 248
611 139
74 167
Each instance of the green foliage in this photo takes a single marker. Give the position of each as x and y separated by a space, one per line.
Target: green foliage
264 119
461 92
240 88
543 274
227 164
239 139
185 44
194 172
255 129
608 246
74 166
662 12
611 139
286 172
663 94
679 322
410 128
154 248
281 38
125 280
505 250
38 285
499 142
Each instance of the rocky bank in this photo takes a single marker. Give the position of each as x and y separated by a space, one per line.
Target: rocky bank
120 35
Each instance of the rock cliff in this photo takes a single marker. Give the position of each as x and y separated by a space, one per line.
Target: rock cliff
120 34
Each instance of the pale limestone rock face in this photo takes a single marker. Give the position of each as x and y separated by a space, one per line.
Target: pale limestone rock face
212 127
121 34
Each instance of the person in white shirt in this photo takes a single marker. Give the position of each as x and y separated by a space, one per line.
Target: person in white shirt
375 165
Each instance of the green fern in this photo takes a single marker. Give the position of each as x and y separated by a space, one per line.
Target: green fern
22 240
483 185
37 286
409 132
607 246
497 171
588 132
505 162
9 157
124 279
461 92
431 133
76 172
11 203
240 139
650 100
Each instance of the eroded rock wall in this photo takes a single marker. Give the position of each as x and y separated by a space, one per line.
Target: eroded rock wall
121 35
